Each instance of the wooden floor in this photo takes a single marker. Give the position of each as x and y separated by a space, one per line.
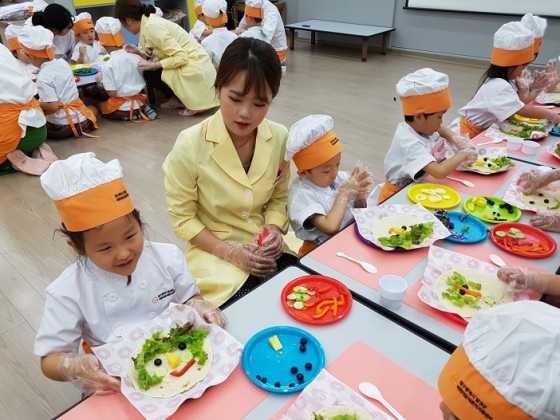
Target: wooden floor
321 79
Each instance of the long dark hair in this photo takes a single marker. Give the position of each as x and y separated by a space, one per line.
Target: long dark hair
54 16
132 9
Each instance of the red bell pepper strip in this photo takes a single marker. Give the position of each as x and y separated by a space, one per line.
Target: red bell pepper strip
325 290
322 313
183 370
262 236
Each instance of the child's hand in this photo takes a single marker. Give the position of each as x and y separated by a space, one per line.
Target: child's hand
207 311
522 278
524 81
470 156
552 70
463 143
540 80
83 51
87 374
546 221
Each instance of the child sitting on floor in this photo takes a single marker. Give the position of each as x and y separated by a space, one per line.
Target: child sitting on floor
321 197
66 114
425 99
216 16
12 33
122 79
254 15
200 29
87 50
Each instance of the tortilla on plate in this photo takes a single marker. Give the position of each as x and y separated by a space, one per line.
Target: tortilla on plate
342 413
538 200
381 228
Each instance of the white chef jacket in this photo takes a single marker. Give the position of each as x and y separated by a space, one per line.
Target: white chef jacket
55 83
197 30
216 44
408 154
64 45
28 68
255 32
92 53
17 88
121 73
87 303
272 26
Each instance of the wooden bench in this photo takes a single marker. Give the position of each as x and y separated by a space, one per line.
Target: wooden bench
339 28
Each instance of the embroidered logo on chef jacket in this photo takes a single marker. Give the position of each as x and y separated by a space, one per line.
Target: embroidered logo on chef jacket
163 295
118 197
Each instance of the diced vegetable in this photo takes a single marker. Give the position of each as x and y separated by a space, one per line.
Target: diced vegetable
501 233
173 360
186 356
161 371
414 235
183 370
275 343
299 305
488 300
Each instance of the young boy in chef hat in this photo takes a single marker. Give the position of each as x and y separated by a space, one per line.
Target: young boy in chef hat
87 50
121 282
216 43
122 79
321 197
12 32
254 14
66 114
200 29
418 142
507 366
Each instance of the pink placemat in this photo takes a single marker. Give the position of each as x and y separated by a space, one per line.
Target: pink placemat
236 397
387 262
481 138
484 184
406 392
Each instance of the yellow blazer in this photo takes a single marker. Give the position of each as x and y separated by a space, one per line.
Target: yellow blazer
206 186
187 69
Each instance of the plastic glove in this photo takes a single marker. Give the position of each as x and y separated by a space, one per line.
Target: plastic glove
87 374
270 242
132 49
365 181
471 156
144 65
552 70
524 81
463 143
533 180
246 257
522 278
546 221
207 311
540 80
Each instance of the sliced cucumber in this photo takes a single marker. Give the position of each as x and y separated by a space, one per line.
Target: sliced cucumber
300 289
290 303
186 356
306 298
488 300
519 235
292 296
299 305
161 371
501 233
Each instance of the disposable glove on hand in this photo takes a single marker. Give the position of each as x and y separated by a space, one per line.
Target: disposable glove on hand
87 374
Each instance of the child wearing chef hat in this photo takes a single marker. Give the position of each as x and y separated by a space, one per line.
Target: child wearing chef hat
200 29
122 79
12 32
507 366
121 281
66 114
321 197
216 43
87 49
537 25
254 14
420 140
496 99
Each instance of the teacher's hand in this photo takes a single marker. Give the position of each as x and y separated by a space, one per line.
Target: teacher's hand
245 257
148 65
270 242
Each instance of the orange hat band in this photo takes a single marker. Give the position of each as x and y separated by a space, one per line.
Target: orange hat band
95 207
426 104
507 58
255 12
46 53
321 151
111 40
198 10
469 395
220 20
537 44
82 25
13 44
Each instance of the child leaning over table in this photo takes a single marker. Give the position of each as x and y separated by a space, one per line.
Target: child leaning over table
254 14
321 197
421 141
12 32
111 289
87 50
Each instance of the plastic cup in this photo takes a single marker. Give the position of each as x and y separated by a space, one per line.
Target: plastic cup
284 69
514 143
530 147
392 290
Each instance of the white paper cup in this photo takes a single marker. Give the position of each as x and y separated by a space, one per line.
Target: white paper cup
530 147
514 143
284 69
392 290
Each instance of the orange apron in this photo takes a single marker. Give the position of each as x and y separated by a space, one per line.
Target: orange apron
307 246
78 105
9 127
282 55
469 128
387 191
114 103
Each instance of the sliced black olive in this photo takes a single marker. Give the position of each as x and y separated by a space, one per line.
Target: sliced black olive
277 384
465 286
403 227
308 366
258 377
489 165
182 346
485 159
510 211
546 200
302 348
292 385
157 362
304 340
263 380
502 206
301 382
299 376
531 202
461 292
540 194
293 369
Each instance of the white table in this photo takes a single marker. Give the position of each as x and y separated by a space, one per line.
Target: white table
86 81
403 347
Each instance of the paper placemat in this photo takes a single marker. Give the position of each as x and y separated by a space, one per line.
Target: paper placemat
546 156
387 262
406 392
483 138
512 195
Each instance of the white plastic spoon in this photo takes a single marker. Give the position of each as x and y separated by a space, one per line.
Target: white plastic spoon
462 181
366 266
491 142
497 260
370 390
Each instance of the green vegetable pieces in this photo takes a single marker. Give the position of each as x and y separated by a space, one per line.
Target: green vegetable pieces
454 295
414 235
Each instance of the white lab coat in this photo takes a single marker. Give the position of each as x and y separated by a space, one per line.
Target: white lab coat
64 45
272 26
92 51
197 30
216 44
121 73
87 303
255 32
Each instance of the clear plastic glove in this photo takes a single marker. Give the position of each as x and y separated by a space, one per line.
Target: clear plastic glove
208 312
145 65
534 180
464 143
541 79
132 49
522 278
87 374
546 221
524 81
552 70
270 242
471 156
246 257
365 181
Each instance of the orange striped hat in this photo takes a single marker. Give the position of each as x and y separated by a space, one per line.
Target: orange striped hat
87 192
198 7
513 45
537 25
424 92
37 41
109 31
215 12
82 23
508 366
254 8
12 32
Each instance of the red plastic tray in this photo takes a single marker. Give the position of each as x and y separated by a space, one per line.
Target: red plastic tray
317 282
531 234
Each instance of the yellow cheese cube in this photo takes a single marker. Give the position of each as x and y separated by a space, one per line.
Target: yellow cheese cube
275 343
173 360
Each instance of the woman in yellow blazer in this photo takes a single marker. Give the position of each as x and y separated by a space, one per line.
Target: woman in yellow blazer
226 178
183 72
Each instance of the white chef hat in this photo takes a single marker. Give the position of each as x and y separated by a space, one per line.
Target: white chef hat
109 31
513 45
312 142
254 8
508 366
425 91
87 192
82 23
37 41
198 7
12 32
215 12
537 25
